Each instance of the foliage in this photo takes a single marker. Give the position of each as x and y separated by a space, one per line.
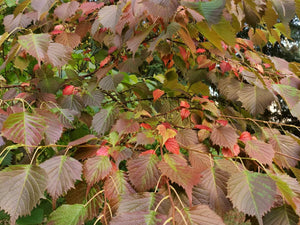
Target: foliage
147 112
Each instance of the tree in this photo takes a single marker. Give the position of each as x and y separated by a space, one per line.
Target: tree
147 112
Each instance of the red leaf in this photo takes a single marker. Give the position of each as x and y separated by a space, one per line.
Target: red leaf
267 65
200 50
184 104
148 152
166 133
157 94
146 126
203 127
103 151
183 53
210 68
172 145
112 49
36 67
184 113
86 59
176 169
69 90
227 152
245 136
225 66
222 122
105 61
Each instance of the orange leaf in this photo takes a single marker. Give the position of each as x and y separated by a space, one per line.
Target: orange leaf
184 104
105 61
146 126
165 133
157 94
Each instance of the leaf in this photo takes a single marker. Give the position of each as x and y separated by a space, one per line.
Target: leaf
59 54
82 140
260 150
291 96
144 138
283 215
89 7
214 182
139 217
202 214
287 186
94 98
21 188
285 9
116 185
103 120
68 214
71 40
177 170
42 6
96 169
166 133
157 94
62 173
54 128
143 172
288 146
24 128
109 16
252 193
20 21
136 202
255 99
187 137
73 102
66 117
224 136
66 10
107 83
134 42
126 126
35 44
172 146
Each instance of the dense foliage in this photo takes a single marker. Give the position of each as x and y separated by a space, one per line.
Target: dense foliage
148 112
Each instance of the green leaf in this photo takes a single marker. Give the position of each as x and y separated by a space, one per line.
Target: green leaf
68 214
283 215
36 217
62 172
252 193
21 188
212 10
143 171
24 128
